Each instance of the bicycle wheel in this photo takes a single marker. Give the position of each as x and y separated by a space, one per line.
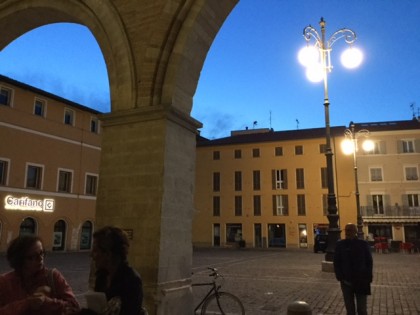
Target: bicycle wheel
222 303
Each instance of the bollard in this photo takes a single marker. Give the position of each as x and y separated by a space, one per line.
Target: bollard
299 308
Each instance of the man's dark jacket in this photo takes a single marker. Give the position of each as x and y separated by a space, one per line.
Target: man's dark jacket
353 264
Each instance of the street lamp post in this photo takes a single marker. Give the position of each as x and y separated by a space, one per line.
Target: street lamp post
350 146
318 62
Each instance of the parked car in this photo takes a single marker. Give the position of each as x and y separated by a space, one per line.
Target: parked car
321 242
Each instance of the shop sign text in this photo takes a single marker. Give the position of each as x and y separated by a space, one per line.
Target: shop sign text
28 204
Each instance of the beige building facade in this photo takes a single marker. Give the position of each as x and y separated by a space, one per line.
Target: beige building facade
269 188
49 167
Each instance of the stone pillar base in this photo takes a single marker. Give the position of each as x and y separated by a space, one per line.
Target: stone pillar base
327 266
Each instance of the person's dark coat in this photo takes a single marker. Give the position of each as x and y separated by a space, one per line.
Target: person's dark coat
127 285
353 264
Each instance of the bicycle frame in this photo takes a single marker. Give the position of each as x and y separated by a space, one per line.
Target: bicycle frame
214 288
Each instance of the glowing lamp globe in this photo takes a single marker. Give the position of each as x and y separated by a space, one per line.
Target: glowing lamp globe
351 58
347 146
315 73
308 56
368 145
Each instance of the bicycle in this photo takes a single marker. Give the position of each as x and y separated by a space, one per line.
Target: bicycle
216 301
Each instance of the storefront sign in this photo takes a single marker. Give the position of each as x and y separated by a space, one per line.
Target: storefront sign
28 204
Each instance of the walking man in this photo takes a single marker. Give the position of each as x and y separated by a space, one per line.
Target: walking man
353 266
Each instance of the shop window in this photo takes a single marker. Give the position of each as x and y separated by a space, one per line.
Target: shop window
276 235
64 181
59 237
34 176
28 227
233 233
91 185
86 235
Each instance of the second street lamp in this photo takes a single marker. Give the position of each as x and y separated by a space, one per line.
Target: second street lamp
318 63
350 146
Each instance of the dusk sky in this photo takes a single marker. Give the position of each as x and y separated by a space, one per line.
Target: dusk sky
251 73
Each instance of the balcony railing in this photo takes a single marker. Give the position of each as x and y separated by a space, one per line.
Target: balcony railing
390 211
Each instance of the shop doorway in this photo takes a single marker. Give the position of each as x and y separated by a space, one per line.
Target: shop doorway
86 235
28 227
59 235
216 235
276 235
258 235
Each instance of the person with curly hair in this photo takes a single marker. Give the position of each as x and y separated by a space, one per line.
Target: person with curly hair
121 284
31 288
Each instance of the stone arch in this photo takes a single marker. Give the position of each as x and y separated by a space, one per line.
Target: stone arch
154 52
20 16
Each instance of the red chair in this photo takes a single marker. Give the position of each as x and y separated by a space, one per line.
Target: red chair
407 248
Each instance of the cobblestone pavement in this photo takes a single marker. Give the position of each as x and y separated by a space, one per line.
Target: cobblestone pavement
267 281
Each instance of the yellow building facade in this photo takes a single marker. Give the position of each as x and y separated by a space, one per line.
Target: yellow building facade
269 188
49 166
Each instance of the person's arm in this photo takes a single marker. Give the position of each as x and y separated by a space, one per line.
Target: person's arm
62 297
9 305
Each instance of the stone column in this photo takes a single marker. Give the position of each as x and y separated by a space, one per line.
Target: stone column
146 187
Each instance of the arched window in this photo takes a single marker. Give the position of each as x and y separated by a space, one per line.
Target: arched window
28 227
59 236
86 235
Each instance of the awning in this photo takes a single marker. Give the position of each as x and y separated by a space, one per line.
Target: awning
391 220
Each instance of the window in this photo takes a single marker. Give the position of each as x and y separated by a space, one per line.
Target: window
411 173
4 169
301 206
300 178
256 180
39 107
91 185
216 181
233 232
279 179
322 148
413 200
257 205
298 150
238 206
33 177
407 146
68 117
375 174
5 96
94 125
378 204
278 151
238 154
324 177
378 148
64 181
216 206
216 155
255 153
238 181
280 205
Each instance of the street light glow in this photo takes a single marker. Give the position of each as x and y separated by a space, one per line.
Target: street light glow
351 58
308 56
